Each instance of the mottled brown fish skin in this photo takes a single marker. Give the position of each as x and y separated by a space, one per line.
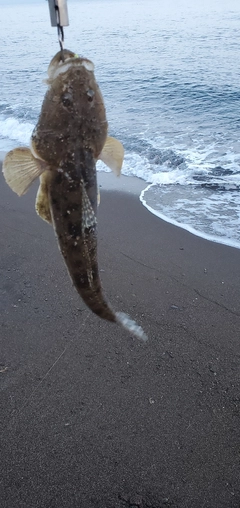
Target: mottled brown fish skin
78 245
69 136
73 116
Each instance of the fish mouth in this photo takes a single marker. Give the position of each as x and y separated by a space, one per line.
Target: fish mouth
58 66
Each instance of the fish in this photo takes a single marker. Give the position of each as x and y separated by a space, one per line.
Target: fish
70 136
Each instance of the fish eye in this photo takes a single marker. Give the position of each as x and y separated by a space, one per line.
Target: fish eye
67 99
90 94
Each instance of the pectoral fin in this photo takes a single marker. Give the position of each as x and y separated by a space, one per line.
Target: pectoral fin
42 204
112 155
20 169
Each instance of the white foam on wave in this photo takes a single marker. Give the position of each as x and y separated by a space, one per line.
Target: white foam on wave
13 129
200 162
217 239
201 154
140 167
203 212
133 165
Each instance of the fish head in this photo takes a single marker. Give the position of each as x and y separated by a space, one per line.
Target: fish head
73 112
63 60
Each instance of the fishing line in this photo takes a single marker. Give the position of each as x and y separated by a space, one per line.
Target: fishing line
60 32
59 18
20 411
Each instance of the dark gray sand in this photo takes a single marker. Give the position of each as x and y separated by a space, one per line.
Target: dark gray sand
92 418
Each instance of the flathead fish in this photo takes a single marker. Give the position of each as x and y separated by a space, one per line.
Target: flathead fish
70 136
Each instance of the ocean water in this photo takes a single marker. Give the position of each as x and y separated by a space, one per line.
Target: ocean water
169 71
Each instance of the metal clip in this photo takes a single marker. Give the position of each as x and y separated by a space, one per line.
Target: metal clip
58 12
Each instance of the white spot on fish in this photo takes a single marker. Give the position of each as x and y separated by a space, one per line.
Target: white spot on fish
88 65
90 277
68 176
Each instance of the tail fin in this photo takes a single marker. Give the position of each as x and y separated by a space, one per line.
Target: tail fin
131 325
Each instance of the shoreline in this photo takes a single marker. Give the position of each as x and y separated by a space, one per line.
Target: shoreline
210 238
135 186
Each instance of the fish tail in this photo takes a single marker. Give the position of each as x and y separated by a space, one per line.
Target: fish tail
130 325
104 311
100 308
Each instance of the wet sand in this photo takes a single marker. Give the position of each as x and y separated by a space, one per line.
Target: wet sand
93 418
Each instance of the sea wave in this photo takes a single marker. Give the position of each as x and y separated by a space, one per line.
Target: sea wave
11 129
202 211
153 160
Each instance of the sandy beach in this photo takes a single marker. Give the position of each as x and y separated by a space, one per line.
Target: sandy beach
93 418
